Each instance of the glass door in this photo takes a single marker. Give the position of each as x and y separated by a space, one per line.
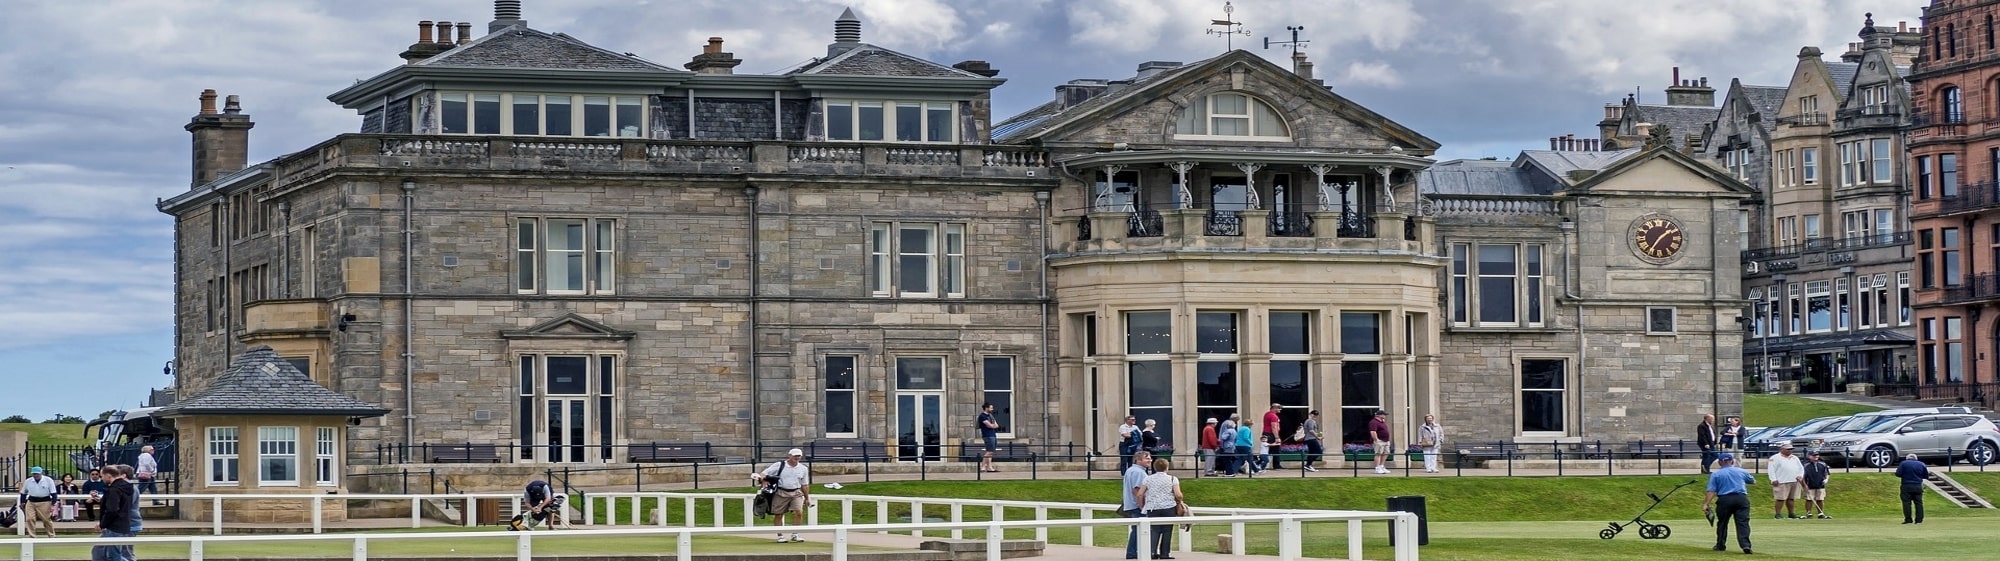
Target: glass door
920 408
566 429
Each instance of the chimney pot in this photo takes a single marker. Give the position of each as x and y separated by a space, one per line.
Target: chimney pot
1677 74
506 9
464 32
1902 26
230 106
444 32
208 102
1554 144
714 46
424 32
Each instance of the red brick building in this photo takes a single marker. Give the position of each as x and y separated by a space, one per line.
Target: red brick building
1954 150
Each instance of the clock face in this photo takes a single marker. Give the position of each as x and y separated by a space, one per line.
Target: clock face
1658 237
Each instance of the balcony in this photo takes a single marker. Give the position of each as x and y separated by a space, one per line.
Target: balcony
1181 229
507 153
1936 125
1804 119
1970 198
1977 288
1828 244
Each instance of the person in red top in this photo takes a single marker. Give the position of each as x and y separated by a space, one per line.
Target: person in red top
1209 444
1271 434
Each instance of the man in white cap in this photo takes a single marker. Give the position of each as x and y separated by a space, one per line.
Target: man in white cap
38 500
794 490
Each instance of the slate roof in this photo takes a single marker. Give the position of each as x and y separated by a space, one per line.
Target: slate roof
1561 162
521 47
260 383
1024 120
1682 121
1843 76
1045 115
1476 177
870 60
1767 100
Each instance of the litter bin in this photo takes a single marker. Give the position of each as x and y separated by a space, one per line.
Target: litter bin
1413 504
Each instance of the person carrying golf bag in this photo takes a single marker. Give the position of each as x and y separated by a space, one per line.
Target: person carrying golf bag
542 501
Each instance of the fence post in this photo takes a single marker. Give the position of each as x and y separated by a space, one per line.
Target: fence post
215 513
523 549
993 542
1089 532
957 516
318 517
839 544
1353 539
361 547
195 548
1288 539
1042 532
433 478
416 512
1237 537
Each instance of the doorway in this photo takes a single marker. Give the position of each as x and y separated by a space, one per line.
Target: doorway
920 410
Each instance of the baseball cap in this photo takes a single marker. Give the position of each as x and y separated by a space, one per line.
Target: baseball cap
795 452
37 470
1785 446
1211 420
1381 412
1725 457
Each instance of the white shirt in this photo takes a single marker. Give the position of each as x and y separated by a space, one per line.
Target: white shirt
147 465
1125 431
789 476
1786 469
38 486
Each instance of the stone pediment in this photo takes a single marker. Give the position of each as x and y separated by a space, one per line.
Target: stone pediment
1660 170
1146 112
569 326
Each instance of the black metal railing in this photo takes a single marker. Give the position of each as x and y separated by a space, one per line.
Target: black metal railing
1144 223
1828 244
1928 118
1814 118
1410 229
1290 225
1869 111
1976 287
1223 223
1982 394
1083 228
1970 197
9 467
1354 225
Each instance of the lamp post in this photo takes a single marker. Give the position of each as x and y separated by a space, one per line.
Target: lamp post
1764 343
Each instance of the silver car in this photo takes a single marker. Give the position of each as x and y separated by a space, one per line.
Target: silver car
1946 437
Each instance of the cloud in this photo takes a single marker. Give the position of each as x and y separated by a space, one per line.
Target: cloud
1378 74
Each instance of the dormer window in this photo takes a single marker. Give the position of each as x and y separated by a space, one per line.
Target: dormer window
891 121
1233 116
530 114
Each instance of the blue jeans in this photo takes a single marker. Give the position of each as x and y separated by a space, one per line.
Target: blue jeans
1226 460
1132 536
112 552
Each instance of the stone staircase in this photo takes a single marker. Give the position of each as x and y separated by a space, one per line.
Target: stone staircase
1950 488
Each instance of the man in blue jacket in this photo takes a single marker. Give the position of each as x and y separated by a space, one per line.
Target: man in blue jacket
1729 492
1913 472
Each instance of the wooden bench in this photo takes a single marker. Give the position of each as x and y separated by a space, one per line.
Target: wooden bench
672 452
1591 449
846 451
1488 450
1662 449
464 453
1003 452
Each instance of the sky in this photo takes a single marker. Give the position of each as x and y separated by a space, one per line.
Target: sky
95 94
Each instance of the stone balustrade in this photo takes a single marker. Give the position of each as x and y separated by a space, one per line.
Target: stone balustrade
1188 229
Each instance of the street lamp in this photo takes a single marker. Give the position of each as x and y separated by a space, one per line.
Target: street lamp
1764 343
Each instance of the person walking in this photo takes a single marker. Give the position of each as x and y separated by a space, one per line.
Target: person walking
1132 498
1378 433
1128 441
1430 437
1817 474
1913 472
1161 496
1273 422
1149 437
1728 500
121 505
147 467
1311 437
38 502
1704 437
989 431
1209 445
1788 478
1246 444
1227 442
794 494
1732 435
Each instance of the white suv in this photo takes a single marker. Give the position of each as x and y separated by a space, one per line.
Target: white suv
1945 436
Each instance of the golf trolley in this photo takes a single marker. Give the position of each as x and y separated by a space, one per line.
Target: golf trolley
1647 530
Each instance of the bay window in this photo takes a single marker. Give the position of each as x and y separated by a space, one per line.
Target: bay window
534 114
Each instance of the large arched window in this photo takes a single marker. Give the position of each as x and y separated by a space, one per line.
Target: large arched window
1230 114
1953 106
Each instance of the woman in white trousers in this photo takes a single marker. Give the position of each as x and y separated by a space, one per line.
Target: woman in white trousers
1430 437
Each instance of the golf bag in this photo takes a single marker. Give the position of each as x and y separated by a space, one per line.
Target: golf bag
13 515
530 520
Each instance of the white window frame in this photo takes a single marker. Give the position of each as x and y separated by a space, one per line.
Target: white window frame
274 444
853 393
326 456
533 253
1672 317
1843 305
577 103
1529 308
1205 116
1883 162
926 111
1818 289
1788 230
1567 398
1850 163
1809 165
224 460
987 393
1812 227
944 261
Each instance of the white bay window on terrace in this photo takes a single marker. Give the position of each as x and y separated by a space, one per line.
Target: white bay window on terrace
908 121
565 255
1496 285
531 114
907 260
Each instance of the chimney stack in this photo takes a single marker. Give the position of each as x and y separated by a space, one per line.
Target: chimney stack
979 67
425 47
506 13
1301 66
1690 93
846 34
712 60
221 140
464 32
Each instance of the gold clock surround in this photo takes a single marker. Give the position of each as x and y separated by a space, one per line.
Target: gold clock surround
1657 238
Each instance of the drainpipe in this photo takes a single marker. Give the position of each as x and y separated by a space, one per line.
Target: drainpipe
1575 270
1714 333
229 314
1042 290
285 249
756 397
409 315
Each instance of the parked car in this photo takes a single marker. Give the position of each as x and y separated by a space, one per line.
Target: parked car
1861 421
1946 437
1766 442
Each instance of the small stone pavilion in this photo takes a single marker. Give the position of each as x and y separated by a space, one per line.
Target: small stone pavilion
263 427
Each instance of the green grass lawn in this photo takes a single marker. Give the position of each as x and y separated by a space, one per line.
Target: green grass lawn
1985 484
1766 410
40 434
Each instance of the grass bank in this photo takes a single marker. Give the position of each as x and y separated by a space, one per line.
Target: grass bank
42 434
1767 410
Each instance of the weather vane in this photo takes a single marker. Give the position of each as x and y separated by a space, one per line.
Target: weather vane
1296 43
1230 27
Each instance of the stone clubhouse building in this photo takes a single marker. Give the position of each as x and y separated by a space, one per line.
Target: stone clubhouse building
560 251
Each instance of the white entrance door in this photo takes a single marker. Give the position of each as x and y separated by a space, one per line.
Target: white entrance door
920 410
567 429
